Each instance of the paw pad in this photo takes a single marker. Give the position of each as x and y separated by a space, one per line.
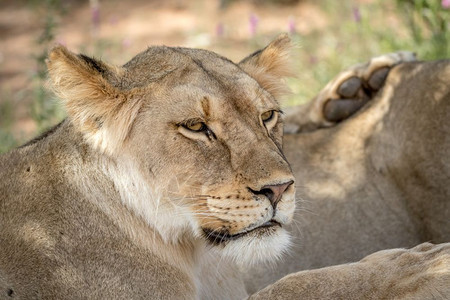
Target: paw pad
353 88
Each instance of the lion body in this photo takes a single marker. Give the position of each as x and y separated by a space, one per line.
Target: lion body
376 181
168 176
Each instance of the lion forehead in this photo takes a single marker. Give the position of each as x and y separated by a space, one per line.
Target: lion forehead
179 64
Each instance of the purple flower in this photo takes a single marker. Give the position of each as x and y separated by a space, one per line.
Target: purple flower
61 41
356 14
445 4
313 60
113 20
253 24
95 17
219 30
126 43
291 26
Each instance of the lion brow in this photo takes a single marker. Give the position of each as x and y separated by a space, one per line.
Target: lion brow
205 106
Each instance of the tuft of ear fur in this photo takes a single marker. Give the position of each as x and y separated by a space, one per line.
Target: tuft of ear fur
269 66
100 111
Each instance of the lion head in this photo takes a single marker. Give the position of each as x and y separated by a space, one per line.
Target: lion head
194 140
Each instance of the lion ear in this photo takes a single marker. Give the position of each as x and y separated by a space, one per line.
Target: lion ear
97 108
269 66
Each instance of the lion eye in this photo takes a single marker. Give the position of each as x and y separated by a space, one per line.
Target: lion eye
196 127
267 116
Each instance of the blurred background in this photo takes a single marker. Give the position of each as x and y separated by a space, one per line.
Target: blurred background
331 35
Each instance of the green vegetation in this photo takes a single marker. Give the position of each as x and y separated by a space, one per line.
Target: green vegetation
352 33
44 109
356 33
7 140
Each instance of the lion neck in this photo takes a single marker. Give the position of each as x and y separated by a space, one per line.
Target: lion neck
151 221
115 185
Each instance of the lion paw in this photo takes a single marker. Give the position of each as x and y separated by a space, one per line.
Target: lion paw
422 272
353 88
348 92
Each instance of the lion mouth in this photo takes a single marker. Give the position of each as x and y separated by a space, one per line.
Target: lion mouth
218 237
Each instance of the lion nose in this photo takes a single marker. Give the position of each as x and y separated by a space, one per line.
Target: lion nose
273 192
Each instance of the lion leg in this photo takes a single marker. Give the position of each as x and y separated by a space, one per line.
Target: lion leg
348 92
422 272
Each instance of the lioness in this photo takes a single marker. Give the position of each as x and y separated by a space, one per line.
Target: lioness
166 175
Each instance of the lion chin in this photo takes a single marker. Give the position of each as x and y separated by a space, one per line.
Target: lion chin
264 244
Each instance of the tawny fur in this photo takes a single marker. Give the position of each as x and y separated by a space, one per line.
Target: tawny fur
374 181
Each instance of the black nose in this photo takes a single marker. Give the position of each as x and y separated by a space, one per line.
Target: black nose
273 192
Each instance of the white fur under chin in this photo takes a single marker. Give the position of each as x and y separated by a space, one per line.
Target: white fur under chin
170 220
251 250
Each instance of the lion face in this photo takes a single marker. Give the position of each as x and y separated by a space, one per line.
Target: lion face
208 135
